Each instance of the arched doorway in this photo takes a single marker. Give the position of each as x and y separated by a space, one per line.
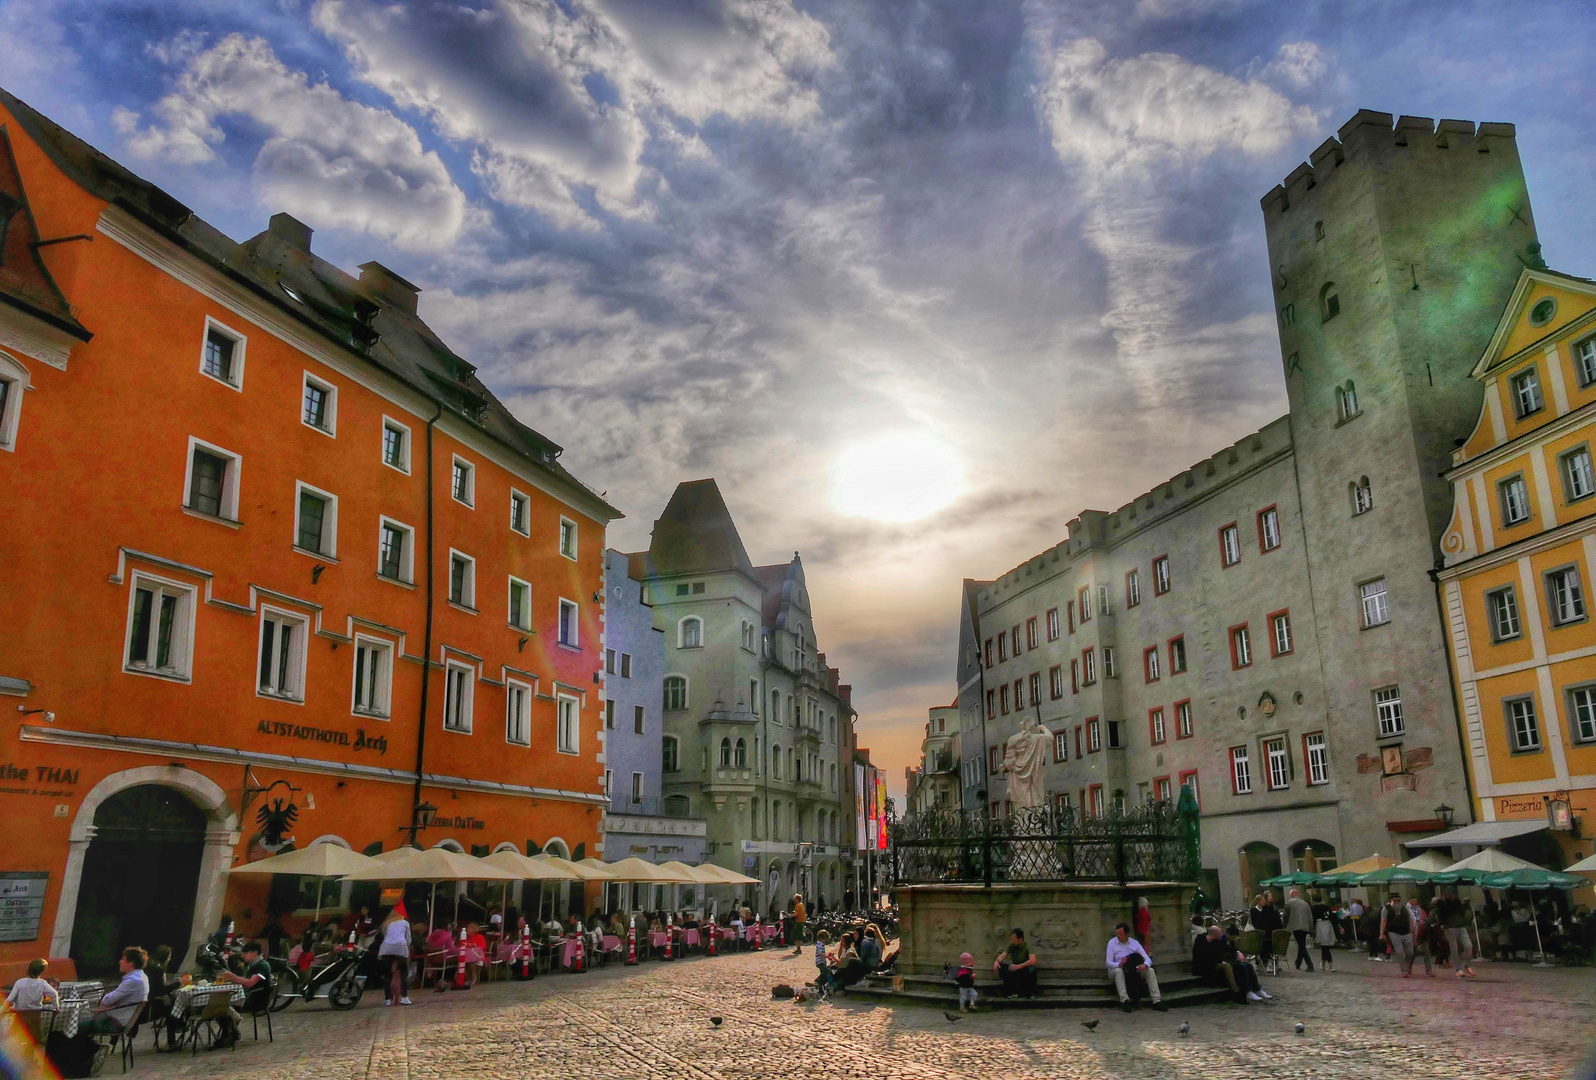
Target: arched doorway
1258 862
140 876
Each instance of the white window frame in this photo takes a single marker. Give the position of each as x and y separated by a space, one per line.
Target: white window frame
1152 669
1052 624
1565 596
1572 479
239 341
1230 545
183 617
468 591
1584 353
1133 588
1506 623
1582 714
675 757
517 713
1183 719
1362 496
1240 771
1102 600
1390 722
575 534
13 372
567 724
1280 626
230 481
407 557
1241 646
509 603
1094 736
329 521
1526 404
459 707
1514 495
521 497
382 697
1318 754
1271 528
470 481
1514 718
665 687
1277 771
388 423
1347 402
297 663
575 624
1377 613
681 632
331 429
1162 577
1160 729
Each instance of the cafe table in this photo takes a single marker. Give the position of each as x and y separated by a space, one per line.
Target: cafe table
70 1012
183 997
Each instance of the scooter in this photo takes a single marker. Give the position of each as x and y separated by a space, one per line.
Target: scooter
342 978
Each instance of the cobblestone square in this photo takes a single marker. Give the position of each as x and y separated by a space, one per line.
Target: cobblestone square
1512 1023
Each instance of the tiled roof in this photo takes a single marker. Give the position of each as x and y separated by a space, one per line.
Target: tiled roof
696 535
25 282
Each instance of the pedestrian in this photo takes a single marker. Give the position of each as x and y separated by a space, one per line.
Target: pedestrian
394 955
1324 935
1214 958
1371 932
1126 956
1423 935
1396 929
1016 966
964 978
823 979
797 924
1299 920
1454 914
1265 918
1144 920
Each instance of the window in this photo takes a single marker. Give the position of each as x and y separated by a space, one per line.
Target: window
609 661
569 623
638 719
1585 362
1110 670
669 749
1150 664
1070 607
373 676
1514 496
222 355
462 580
675 693
609 714
282 655
1388 712
987 649
160 627
1318 755
1003 699
463 482
1362 496
1229 545
1052 624
568 730
1375 610
1329 302
568 545
1036 687
626 665
1133 588
740 754
517 713
1268 529
775 762
1155 726
395 551
1096 800
1503 604
1030 624
1527 392
1183 724
1094 735
1565 600
1578 480
1102 600
637 786
690 633
1346 401
316 522
1161 575
1084 604
13 380
1240 647
991 704
319 408
1061 746
1088 667
1016 637
1523 728
1240 771
1075 676
748 640
520 513
457 698
395 445
1055 682
1279 776
211 486
1161 789
1003 647
520 604
1582 714
1177 655
1280 633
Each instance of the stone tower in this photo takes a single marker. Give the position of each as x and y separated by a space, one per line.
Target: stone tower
1392 253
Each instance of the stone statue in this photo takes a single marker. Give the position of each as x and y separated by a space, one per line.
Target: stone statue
1025 762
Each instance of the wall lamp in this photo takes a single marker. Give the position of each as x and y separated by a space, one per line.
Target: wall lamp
49 717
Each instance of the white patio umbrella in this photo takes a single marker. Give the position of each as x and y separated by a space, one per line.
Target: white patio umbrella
581 870
320 861
1584 866
432 866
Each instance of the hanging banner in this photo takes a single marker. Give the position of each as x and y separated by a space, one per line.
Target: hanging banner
881 810
859 806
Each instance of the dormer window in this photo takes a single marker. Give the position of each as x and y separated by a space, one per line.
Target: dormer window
1527 398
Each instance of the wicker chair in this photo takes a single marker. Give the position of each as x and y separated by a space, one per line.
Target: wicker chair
1280 942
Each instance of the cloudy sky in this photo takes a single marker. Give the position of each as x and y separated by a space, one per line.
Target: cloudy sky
915 280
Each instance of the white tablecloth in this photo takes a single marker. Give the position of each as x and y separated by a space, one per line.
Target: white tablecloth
185 996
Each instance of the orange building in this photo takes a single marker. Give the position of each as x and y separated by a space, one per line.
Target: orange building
268 545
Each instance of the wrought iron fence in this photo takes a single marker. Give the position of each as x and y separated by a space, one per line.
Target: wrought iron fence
1156 842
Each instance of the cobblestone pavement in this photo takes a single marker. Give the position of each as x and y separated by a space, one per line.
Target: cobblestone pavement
1512 1023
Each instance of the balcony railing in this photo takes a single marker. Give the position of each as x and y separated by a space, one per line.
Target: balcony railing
650 806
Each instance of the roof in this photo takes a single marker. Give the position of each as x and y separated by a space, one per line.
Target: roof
1528 278
1481 833
25 282
696 535
372 317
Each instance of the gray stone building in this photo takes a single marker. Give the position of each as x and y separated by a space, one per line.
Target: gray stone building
934 783
1262 626
758 729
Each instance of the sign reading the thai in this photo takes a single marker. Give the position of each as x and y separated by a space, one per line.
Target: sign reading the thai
12 773
361 741
22 904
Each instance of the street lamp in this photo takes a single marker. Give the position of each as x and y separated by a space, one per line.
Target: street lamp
1444 814
1559 812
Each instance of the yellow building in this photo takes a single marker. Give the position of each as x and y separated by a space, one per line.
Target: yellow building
1518 562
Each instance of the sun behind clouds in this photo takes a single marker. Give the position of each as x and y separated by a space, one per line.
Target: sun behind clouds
898 477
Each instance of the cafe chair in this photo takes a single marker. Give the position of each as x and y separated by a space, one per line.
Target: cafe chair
1281 943
258 1005
121 1042
434 964
208 1017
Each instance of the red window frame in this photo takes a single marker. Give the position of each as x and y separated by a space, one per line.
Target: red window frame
1153 737
992 759
1075 676
1223 564
991 704
1069 606
1003 699
1176 709
1003 647
1094 795
1088 666
1036 688
1094 733
1019 693
1196 785
1132 600
1083 598
1149 657
1052 624
1077 742
1274 653
988 649
1262 548
1030 632
1230 636
1164 796
1014 649
1169 576
1061 746
1055 681
1185 666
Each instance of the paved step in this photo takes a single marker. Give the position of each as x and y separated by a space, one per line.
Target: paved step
949 1000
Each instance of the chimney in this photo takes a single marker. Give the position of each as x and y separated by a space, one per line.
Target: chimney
291 231
381 283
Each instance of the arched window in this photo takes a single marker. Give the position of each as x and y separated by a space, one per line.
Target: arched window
740 755
669 750
748 635
1362 496
775 761
675 692
1346 401
725 753
690 633
1329 301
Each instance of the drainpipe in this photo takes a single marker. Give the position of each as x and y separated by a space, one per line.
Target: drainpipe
426 641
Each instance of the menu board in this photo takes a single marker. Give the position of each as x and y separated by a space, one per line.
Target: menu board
21 904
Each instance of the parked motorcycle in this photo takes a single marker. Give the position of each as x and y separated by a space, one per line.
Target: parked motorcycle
342 978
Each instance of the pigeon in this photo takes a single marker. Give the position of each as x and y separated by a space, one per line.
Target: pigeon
1301 1027
1185 1027
715 1020
1090 1025
953 1018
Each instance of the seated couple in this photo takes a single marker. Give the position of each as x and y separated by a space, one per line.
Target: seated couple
1214 957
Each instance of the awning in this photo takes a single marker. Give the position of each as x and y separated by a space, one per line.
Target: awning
1479 834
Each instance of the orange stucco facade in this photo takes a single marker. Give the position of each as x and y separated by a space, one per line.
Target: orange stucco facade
97 463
